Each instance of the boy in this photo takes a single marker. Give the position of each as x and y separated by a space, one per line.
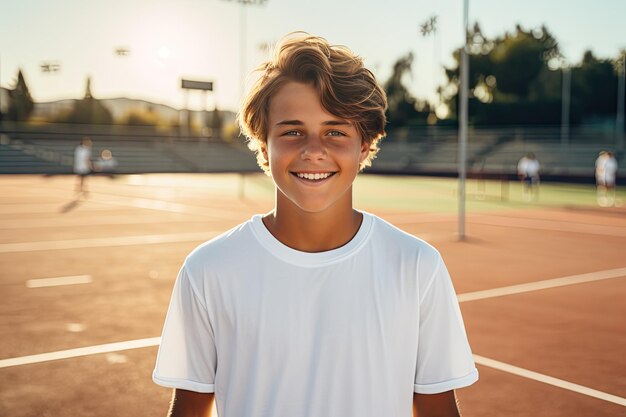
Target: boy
314 309
82 163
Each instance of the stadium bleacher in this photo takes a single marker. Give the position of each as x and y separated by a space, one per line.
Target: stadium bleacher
491 152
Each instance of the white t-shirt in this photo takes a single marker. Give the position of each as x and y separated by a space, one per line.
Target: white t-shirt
528 167
600 162
276 332
521 166
532 168
610 170
82 155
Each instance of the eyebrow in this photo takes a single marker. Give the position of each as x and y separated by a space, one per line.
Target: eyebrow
301 123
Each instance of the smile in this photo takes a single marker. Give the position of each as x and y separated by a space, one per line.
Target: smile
314 176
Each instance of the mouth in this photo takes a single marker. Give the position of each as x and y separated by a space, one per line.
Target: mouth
313 176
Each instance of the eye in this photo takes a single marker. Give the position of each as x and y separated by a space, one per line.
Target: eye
292 133
335 133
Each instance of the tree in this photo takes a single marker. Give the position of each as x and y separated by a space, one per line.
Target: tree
517 78
506 66
88 110
21 103
518 59
402 106
141 117
594 85
480 69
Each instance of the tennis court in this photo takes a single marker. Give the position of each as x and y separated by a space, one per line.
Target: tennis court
86 283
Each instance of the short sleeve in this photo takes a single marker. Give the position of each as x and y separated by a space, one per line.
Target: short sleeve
187 356
444 357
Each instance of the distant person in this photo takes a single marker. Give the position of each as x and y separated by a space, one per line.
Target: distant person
606 187
82 163
528 169
600 178
107 163
600 161
315 308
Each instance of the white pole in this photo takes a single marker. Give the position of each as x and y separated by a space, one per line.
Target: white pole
242 42
619 120
463 123
187 115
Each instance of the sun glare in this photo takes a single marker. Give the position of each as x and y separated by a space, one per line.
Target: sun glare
164 52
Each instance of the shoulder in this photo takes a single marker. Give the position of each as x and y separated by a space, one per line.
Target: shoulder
416 259
390 238
223 250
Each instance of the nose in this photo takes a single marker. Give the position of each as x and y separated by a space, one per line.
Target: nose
313 148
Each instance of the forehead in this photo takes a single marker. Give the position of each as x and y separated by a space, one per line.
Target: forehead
295 100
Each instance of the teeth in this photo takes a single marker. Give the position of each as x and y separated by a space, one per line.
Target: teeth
316 176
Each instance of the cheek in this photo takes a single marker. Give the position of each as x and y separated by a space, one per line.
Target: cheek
361 152
278 156
350 158
271 152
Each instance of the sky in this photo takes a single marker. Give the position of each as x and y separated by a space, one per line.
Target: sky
169 40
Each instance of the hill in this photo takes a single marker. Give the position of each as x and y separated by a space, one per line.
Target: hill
118 107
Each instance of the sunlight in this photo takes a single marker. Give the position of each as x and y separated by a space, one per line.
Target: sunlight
442 111
164 52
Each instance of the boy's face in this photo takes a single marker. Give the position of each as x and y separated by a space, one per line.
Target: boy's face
313 155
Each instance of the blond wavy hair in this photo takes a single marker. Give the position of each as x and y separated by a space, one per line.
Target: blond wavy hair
346 88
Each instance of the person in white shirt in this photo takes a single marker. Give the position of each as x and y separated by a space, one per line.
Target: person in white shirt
528 169
600 178
606 191
599 171
107 163
82 163
315 308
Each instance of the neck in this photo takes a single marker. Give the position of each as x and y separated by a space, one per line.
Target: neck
313 231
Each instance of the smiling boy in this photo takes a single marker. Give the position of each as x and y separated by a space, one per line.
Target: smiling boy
314 309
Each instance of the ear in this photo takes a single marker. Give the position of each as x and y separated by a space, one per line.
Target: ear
365 151
264 153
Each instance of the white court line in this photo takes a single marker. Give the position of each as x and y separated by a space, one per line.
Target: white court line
167 206
57 281
574 279
154 341
525 373
541 224
542 285
106 241
84 351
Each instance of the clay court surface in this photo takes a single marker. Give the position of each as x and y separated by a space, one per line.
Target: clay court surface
549 348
